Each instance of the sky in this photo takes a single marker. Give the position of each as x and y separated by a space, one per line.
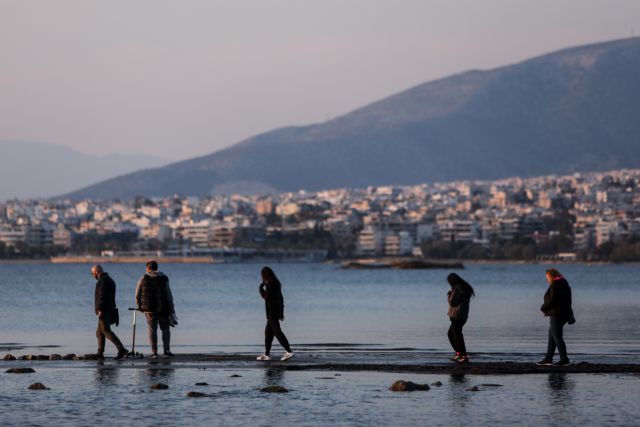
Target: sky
185 78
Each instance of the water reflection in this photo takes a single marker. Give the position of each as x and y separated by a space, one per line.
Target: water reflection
106 376
560 394
273 376
153 375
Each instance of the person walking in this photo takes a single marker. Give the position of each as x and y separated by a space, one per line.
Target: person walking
557 306
271 291
154 298
105 309
458 297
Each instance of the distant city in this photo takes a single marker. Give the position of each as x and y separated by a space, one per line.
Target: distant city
584 216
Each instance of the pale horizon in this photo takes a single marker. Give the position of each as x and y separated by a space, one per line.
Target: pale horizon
184 80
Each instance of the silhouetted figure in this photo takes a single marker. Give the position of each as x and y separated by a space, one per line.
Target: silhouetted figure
557 306
105 308
154 298
458 297
271 291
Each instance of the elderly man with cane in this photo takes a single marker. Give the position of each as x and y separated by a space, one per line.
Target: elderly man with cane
105 308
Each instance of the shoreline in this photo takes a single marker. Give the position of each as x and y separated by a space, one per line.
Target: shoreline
43 261
303 363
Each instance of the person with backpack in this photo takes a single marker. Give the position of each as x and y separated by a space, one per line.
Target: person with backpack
154 298
271 291
458 297
557 306
105 308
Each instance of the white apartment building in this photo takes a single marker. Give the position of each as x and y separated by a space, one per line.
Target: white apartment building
370 242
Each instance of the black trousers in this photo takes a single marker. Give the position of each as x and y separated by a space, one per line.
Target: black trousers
455 336
273 330
104 331
556 339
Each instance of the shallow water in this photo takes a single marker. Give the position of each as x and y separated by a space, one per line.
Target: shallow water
121 396
220 310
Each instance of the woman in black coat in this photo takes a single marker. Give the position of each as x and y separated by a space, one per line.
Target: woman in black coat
271 291
557 306
458 298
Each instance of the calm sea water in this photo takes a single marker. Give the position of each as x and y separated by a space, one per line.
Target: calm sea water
219 308
331 315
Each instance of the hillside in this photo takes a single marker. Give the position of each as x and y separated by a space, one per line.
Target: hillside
573 110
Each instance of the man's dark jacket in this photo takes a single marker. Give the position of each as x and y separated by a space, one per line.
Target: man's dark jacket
557 299
273 300
154 294
105 295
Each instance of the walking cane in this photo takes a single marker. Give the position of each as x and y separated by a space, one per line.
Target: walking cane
133 353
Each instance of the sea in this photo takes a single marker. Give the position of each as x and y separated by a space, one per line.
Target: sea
331 315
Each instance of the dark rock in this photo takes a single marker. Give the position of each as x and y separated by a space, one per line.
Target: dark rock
474 388
42 357
337 375
437 384
55 357
491 385
68 356
235 376
37 386
274 389
20 371
9 357
325 378
32 357
23 357
196 394
202 384
77 358
402 385
158 386
90 356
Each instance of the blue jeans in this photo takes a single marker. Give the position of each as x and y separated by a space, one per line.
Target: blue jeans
556 323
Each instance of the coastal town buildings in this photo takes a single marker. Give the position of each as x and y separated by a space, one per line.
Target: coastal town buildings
574 214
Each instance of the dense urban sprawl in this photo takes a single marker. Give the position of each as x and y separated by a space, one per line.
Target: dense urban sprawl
581 216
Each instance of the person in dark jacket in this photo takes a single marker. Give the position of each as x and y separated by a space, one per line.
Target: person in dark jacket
154 298
105 309
271 291
458 297
557 306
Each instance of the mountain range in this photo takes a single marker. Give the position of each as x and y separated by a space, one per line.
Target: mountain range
573 110
31 169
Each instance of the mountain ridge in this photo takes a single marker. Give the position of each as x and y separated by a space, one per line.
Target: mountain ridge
566 111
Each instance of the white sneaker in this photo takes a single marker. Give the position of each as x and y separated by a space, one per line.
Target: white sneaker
287 355
264 357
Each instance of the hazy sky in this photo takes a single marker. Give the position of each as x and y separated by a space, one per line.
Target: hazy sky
185 78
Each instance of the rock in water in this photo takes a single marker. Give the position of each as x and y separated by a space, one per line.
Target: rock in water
202 384
55 357
474 388
20 371
32 357
9 357
23 357
68 356
42 357
158 386
274 389
90 356
196 394
235 376
37 386
437 384
402 385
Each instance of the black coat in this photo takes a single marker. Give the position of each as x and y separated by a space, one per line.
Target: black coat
273 300
557 299
154 296
105 294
